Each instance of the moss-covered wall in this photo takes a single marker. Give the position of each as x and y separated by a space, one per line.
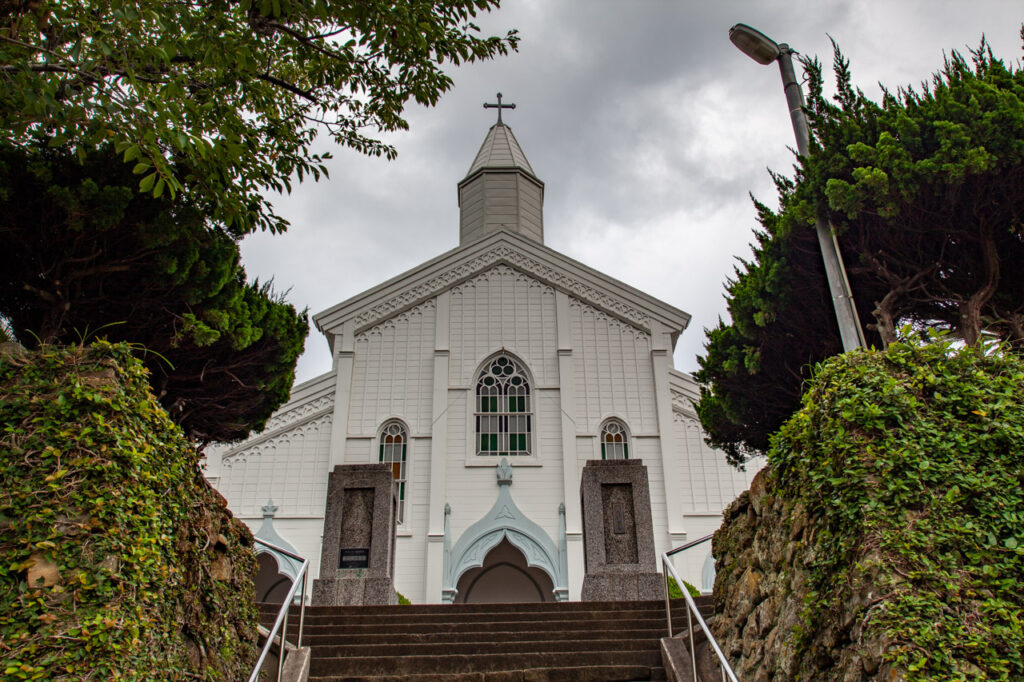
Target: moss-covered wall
117 559
885 538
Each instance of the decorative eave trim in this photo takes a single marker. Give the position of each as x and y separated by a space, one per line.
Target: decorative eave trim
285 420
533 259
683 408
308 390
685 392
251 449
500 170
684 382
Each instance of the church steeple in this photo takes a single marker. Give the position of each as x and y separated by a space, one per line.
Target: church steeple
500 191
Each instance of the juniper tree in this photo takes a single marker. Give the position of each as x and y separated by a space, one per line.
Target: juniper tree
85 255
926 192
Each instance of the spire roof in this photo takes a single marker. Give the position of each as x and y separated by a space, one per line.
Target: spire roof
500 150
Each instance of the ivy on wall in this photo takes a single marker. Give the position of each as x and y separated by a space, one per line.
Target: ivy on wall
910 463
117 559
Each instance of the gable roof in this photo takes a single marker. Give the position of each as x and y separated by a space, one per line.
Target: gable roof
426 281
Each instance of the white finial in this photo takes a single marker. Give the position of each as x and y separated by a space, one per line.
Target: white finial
504 472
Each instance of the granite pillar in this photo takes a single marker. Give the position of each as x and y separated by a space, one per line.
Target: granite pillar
618 534
357 564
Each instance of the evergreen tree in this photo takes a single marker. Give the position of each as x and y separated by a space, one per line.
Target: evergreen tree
85 254
926 192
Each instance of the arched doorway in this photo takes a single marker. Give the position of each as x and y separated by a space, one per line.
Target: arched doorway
530 558
277 571
504 578
270 585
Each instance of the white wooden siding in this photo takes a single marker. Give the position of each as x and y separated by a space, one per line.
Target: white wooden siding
531 215
290 468
649 451
708 483
362 450
612 361
503 308
392 375
410 548
471 211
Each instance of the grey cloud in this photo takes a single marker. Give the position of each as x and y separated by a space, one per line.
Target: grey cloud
647 126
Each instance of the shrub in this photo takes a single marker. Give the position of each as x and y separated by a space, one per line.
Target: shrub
911 464
119 560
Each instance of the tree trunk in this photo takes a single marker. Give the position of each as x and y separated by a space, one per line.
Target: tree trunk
886 325
970 310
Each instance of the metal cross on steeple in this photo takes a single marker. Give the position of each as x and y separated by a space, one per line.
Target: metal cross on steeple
499 106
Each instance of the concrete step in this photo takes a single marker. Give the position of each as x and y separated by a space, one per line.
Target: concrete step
520 646
553 642
476 663
597 673
488 637
269 610
399 616
400 628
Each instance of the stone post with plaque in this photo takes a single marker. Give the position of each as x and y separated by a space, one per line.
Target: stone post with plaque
618 535
357 563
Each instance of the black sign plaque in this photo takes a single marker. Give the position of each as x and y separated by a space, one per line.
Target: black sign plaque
358 557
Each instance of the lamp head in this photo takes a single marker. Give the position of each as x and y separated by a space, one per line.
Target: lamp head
754 44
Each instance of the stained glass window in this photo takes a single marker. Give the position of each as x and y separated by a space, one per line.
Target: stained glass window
614 441
393 441
503 409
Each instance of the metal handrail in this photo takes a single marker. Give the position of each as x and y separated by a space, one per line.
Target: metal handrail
282 615
688 545
691 610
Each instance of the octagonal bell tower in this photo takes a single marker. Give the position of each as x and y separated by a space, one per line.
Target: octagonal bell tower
500 191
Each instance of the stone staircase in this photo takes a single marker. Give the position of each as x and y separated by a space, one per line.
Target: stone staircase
569 641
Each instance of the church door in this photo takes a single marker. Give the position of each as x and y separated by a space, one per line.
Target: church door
270 585
504 578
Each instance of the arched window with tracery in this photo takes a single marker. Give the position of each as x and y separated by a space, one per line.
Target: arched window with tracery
393 443
614 440
504 412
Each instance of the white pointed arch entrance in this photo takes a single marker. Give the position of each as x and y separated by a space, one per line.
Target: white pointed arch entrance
505 577
276 571
505 523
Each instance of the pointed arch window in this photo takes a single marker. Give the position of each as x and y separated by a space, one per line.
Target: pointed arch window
614 440
393 443
504 411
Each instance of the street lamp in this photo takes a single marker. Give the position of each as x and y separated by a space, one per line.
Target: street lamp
764 50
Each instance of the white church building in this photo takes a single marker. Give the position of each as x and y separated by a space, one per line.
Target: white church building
499 348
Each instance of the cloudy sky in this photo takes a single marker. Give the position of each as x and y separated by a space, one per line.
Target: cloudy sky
648 128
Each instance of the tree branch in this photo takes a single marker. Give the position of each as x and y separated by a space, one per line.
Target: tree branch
294 89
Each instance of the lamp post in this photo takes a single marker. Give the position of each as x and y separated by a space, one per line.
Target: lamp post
764 50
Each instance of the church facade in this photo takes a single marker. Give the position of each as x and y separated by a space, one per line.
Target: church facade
499 351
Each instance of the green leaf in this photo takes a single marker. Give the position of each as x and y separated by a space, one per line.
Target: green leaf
146 184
